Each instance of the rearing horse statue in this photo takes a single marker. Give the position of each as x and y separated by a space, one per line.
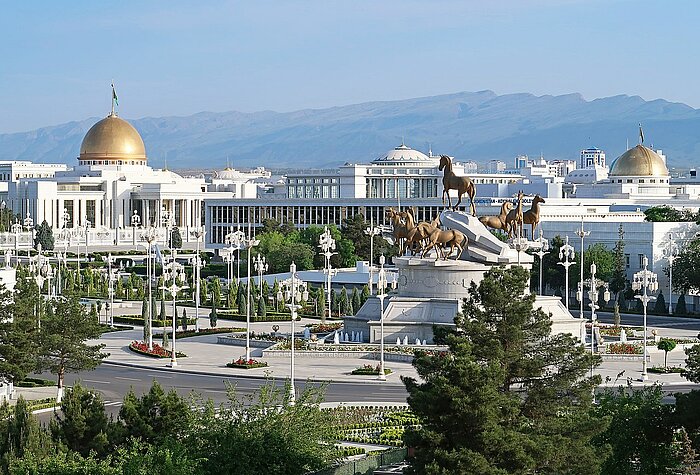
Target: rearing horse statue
462 184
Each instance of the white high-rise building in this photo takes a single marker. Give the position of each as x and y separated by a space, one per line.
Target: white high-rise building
591 157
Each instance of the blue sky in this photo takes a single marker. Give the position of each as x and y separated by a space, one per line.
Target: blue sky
57 59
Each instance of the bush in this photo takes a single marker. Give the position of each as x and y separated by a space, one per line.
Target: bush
202 331
35 383
368 369
138 321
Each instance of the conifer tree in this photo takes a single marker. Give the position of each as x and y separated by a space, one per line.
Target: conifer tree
680 308
322 303
660 306
184 319
262 307
213 317
365 294
509 397
356 301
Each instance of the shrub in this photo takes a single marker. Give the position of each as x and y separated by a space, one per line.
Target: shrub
246 364
368 369
157 351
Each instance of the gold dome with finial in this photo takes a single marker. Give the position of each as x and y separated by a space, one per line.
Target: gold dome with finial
112 141
639 161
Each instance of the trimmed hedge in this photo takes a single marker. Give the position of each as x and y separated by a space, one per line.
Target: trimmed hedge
202 331
35 383
139 321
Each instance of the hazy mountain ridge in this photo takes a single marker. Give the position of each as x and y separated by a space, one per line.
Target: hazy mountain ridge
469 125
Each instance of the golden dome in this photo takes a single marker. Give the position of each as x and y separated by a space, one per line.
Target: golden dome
113 139
639 161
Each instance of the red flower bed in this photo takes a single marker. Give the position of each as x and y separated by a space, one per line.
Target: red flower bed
325 327
624 349
158 351
246 364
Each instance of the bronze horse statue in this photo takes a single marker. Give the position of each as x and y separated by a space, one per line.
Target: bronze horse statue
532 216
462 184
498 222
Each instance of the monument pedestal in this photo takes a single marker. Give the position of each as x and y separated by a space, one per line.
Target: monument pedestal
430 292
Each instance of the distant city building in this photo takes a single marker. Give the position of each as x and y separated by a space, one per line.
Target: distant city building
496 166
592 157
471 167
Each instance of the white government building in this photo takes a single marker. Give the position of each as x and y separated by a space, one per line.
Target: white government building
112 188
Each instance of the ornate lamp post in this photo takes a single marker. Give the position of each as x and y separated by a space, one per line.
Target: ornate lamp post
543 248
671 252
582 234
166 220
371 231
327 245
292 290
381 294
261 266
112 276
566 253
235 240
176 274
646 280
149 235
594 286
520 244
250 242
198 234
16 229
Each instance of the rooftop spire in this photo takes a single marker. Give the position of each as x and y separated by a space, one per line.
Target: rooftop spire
114 100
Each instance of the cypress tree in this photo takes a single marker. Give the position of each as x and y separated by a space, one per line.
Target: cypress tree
356 300
660 306
184 319
680 308
162 317
262 307
322 303
365 294
213 317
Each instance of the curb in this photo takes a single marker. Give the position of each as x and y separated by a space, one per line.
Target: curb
244 376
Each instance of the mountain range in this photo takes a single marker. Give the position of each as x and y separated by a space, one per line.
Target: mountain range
475 126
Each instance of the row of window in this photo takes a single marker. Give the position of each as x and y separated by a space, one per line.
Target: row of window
294 181
314 191
112 162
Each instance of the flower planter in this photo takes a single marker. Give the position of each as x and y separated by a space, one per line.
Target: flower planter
157 352
249 364
369 370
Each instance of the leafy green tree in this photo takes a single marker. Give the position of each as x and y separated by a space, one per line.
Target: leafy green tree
44 236
640 434
175 238
667 213
19 331
692 363
155 416
301 254
660 306
267 434
618 279
509 397
20 434
81 425
687 414
65 331
62 463
666 345
686 268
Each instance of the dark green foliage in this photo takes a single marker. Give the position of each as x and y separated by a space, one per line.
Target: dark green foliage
155 416
19 332
618 279
44 236
365 294
343 301
356 301
175 238
640 434
212 317
65 329
163 316
668 214
686 268
183 320
232 293
680 308
660 305
291 439
215 289
262 307
322 304
692 363
81 426
242 305
666 345
510 398
20 434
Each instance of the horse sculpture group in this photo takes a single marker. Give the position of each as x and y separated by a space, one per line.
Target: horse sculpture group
424 236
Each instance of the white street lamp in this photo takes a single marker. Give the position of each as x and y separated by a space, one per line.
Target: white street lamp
294 291
176 274
327 245
235 240
135 220
582 234
566 252
646 280
149 235
671 253
372 231
381 294
543 248
594 286
112 276
520 244
198 234
250 242
261 266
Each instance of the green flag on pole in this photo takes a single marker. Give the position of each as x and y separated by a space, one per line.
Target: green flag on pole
114 95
